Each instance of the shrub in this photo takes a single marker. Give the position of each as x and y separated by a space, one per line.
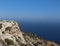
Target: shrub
8 28
0 26
9 41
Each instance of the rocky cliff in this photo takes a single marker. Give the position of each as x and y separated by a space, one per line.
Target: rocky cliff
11 35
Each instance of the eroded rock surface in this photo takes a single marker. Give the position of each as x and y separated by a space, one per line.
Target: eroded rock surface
11 35
9 30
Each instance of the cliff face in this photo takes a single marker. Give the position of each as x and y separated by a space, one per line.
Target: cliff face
11 35
9 31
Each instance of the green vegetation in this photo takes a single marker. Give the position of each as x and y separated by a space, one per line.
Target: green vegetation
37 44
8 28
23 44
0 26
29 34
9 41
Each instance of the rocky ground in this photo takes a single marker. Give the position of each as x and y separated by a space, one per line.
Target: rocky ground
11 35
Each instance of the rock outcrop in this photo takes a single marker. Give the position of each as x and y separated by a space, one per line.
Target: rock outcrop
11 35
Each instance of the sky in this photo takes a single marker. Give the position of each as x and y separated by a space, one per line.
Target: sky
30 10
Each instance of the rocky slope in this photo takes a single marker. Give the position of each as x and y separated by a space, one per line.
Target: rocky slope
11 35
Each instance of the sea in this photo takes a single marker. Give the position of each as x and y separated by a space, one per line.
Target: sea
47 31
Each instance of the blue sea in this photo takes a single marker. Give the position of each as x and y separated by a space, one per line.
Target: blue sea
48 31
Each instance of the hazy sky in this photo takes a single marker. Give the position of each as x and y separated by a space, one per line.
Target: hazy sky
30 9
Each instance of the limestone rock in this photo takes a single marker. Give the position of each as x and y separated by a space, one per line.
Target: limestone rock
11 35
10 30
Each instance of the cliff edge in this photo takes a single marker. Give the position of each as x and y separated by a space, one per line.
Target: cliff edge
11 35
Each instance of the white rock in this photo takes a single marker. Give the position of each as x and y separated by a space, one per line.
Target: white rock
12 32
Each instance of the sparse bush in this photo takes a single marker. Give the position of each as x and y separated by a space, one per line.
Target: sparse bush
9 41
8 28
0 26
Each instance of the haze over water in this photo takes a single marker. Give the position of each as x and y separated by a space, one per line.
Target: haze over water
47 31
41 17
